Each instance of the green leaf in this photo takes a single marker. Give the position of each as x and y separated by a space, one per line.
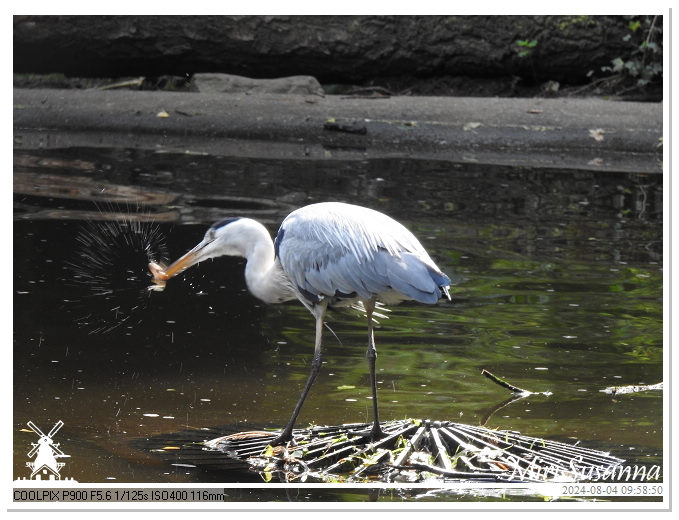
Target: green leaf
632 67
634 25
527 43
653 46
618 64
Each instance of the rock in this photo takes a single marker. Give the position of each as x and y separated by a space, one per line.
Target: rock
230 83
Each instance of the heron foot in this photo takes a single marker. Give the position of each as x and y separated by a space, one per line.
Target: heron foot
374 434
282 439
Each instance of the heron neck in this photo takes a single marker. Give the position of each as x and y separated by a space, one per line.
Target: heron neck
263 275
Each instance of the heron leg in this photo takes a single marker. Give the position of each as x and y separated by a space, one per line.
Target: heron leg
319 313
371 354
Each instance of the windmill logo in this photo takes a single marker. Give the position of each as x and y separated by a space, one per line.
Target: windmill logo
46 453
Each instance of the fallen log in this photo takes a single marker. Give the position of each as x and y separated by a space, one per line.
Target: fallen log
332 48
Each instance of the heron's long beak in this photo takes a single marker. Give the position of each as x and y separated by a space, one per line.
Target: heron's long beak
197 254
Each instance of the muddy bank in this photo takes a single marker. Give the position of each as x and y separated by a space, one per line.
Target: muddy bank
586 134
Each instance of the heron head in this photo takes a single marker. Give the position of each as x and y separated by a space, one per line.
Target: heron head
226 237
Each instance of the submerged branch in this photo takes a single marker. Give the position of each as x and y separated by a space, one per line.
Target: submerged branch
505 384
631 389
517 393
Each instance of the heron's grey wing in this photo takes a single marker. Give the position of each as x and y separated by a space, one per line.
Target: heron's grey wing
410 276
356 253
354 229
392 278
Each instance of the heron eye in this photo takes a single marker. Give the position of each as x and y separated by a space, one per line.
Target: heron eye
210 235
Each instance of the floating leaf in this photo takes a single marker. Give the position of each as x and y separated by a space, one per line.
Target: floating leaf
471 126
597 134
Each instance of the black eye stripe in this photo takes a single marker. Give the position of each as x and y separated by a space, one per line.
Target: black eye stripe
224 222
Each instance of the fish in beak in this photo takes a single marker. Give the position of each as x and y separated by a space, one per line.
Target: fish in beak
162 274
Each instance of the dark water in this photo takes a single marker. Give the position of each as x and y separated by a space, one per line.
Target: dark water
558 287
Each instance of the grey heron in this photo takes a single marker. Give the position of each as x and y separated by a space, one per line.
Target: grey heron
325 255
